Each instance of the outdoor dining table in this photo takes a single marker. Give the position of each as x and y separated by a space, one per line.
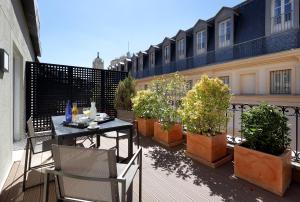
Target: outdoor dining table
62 133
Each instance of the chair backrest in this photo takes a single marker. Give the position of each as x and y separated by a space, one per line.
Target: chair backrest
31 132
97 163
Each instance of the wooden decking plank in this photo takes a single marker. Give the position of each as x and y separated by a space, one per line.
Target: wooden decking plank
9 181
34 177
167 176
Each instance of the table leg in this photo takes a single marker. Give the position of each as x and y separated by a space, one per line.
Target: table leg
130 143
97 141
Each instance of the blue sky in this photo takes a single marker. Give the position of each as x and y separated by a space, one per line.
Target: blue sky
72 31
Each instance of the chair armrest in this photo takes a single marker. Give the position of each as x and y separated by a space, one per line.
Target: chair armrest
138 153
62 174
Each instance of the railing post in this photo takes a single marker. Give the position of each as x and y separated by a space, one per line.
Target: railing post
233 123
242 111
296 152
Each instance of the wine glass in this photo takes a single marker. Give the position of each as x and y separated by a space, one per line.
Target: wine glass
86 111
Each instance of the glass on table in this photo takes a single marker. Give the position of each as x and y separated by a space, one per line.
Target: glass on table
86 111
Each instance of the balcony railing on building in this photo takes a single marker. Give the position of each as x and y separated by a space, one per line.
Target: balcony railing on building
281 41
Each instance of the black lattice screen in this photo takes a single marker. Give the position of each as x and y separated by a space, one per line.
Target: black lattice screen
50 86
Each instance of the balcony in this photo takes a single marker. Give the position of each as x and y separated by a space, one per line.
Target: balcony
168 174
281 41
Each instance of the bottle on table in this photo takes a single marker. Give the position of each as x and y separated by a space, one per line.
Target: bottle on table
68 112
93 110
74 113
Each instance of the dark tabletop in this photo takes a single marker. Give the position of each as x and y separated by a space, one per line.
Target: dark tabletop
60 130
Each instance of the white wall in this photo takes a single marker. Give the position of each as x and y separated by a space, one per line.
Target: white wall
14 35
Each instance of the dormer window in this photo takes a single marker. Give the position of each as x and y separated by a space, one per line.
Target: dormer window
152 59
180 48
201 41
282 15
224 33
141 63
167 53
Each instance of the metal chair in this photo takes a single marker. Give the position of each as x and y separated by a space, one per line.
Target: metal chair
35 144
117 135
83 174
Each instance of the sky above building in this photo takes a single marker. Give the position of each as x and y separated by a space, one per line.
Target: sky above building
73 31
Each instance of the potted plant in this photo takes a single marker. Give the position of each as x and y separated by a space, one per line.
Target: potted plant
264 158
123 104
143 105
203 112
168 91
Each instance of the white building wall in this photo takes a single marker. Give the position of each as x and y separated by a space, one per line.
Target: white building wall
15 39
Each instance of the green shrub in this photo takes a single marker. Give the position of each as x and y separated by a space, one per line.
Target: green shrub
265 129
204 108
125 91
144 104
168 91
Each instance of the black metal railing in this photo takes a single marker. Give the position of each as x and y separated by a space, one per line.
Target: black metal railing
234 125
285 40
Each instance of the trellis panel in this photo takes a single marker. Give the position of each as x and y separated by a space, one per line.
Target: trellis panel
50 86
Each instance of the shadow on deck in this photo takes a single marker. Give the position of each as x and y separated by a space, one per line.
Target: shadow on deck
168 175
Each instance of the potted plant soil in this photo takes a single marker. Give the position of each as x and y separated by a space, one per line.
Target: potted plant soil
123 104
168 91
143 106
203 112
264 158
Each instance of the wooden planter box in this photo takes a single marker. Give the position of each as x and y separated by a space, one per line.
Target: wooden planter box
170 138
211 151
270 172
145 126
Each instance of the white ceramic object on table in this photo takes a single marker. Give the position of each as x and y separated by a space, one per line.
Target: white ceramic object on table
83 119
93 111
92 125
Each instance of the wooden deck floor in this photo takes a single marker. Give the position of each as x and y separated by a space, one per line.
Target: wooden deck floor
168 175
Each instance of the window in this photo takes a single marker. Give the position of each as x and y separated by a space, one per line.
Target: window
134 65
282 15
166 53
225 79
280 82
141 63
224 33
180 46
201 41
152 59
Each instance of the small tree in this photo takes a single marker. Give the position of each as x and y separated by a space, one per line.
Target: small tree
168 92
204 108
144 104
266 129
125 91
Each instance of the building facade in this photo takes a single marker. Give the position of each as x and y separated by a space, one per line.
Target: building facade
119 62
98 63
19 38
253 47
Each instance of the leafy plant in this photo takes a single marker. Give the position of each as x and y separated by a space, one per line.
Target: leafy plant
125 91
144 103
204 107
168 92
265 129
